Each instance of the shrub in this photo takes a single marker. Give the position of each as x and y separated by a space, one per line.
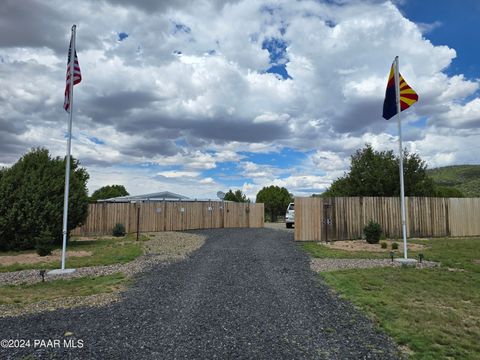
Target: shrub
372 232
118 230
383 245
44 243
394 246
31 199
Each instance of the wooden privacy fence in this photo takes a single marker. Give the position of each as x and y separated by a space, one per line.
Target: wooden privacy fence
169 216
343 218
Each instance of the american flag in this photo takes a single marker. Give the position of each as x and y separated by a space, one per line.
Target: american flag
77 76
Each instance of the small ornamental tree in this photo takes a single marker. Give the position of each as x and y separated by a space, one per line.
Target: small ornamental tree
31 199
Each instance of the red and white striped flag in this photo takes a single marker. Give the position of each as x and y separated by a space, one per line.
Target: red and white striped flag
77 76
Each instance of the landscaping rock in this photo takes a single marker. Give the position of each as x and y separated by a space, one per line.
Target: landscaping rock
319 265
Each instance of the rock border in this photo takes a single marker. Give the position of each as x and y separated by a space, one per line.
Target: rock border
322 265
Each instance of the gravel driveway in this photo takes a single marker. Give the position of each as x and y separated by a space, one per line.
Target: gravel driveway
246 294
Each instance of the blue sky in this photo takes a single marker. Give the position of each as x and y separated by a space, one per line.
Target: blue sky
199 97
453 23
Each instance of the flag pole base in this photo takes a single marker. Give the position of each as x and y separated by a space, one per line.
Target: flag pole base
61 271
407 262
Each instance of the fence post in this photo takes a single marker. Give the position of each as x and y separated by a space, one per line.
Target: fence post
223 213
138 220
327 217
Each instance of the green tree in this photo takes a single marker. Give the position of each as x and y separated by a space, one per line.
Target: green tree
375 173
276 200
237 196
31 199
109 191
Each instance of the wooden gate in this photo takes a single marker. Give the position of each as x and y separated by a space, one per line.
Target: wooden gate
170 216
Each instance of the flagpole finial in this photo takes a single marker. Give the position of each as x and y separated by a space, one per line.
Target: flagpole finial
73 27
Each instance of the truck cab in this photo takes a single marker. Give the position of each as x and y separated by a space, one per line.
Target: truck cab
290 215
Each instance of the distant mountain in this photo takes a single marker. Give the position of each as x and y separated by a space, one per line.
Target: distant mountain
465 178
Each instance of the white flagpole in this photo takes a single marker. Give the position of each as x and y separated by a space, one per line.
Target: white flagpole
69 145
400 153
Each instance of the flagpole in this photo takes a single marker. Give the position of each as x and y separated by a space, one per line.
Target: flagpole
400 152
69 145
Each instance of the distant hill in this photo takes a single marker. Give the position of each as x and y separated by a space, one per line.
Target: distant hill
465 178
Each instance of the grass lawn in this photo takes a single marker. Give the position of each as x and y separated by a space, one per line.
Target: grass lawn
433 312
22 295
104 252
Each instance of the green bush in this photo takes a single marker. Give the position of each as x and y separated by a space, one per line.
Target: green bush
44 243
394 246
118 230
383 245
31 199
372 232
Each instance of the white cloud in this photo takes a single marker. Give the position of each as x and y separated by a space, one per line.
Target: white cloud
462 116
178 174
328 160
188 90
428 27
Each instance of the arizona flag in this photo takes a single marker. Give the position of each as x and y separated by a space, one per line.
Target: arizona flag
408 96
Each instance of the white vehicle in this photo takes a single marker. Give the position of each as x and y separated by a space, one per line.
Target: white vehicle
290 215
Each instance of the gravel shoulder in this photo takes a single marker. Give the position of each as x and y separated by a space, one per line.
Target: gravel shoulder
246 293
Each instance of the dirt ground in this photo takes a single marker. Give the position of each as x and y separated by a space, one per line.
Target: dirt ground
362 245
34 258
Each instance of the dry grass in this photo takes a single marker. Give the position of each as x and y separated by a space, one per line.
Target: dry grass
34 258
